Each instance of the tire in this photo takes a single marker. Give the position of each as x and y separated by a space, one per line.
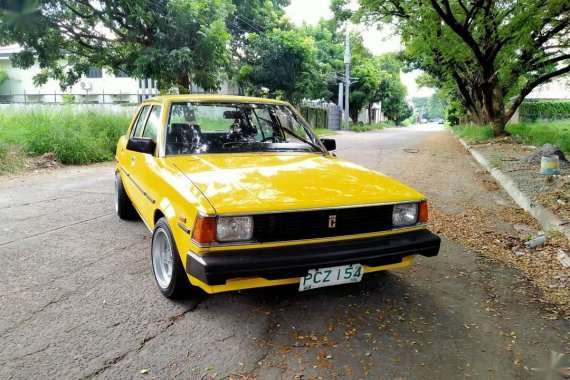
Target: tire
123 205
167 268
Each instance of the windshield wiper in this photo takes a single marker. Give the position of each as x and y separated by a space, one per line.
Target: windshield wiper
286 130
232 143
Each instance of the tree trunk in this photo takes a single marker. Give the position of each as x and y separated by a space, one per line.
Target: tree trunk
494 107
369 113
183 83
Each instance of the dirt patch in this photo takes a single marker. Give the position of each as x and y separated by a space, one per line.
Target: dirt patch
476 228
45 161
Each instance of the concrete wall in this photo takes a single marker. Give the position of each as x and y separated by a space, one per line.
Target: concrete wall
377 115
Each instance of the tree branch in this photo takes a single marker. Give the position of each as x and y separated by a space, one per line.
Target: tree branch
541 64
531 86
448 17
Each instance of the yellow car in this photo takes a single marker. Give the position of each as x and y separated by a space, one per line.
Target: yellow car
239 193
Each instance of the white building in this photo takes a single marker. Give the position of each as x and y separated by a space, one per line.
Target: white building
99 86
558 88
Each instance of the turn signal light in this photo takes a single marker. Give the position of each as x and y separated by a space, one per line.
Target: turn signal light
423 213
204 230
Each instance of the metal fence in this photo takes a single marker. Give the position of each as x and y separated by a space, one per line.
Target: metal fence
78 98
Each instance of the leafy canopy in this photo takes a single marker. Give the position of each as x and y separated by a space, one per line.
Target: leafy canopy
280 63
173 41
487 53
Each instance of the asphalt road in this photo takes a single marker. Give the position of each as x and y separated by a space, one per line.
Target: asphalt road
78 300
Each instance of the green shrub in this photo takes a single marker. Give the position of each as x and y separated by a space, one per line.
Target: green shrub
544 110
68 99
455 113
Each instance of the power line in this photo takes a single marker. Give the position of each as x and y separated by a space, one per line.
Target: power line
247 23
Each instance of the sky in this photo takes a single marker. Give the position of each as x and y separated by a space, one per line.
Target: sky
377 41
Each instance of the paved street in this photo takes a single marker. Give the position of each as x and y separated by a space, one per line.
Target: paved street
78 300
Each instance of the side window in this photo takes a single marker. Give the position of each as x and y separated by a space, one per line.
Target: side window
261 120
137 130
153 123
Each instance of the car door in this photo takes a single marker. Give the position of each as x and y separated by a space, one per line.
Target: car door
143 165
127 160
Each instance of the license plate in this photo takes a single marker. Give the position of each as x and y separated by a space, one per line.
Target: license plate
344 274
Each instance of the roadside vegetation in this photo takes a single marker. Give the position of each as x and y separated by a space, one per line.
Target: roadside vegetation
371 127
323 132
74 137
536 134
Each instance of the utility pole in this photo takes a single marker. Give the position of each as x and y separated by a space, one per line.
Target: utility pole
341 95
346 81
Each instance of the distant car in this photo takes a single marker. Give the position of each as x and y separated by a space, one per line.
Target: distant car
239 193
423 121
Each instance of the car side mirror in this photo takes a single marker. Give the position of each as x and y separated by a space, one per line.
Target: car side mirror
330 144
141 145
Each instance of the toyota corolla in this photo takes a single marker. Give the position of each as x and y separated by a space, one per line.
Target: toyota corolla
239 193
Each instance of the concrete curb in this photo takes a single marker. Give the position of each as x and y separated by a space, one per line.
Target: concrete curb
548 220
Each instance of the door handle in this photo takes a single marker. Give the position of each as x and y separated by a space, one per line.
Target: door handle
133 160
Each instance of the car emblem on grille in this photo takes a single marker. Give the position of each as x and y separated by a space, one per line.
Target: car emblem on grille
332 221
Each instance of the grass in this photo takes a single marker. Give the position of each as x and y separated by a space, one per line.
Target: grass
11 158
536 134
370 127
323 131
495 162
474 134
74 137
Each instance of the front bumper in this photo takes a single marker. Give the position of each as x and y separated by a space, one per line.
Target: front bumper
295 261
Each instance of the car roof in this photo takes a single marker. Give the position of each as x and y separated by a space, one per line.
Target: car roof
212 98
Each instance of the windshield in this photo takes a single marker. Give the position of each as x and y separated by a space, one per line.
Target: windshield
200 127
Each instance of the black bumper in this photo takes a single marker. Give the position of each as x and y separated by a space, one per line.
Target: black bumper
295 261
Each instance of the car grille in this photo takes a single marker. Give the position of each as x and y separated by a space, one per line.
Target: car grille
322 223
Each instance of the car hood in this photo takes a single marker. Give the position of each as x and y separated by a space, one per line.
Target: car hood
244 183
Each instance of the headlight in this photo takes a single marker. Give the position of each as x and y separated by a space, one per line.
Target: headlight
234 228
405 214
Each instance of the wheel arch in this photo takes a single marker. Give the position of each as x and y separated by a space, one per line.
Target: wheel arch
165 209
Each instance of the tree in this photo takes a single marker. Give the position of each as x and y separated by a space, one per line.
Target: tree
3 77
367 77
431 107
173 41
280 63
330 55
394 104
494 53
253 17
